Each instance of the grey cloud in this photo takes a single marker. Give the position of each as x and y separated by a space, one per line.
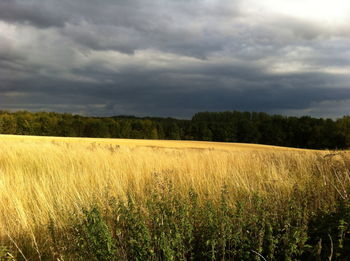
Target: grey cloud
208 55
124 40
179 94
191 28
293 29
30 12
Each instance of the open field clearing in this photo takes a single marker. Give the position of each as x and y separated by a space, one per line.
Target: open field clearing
45 180
152 143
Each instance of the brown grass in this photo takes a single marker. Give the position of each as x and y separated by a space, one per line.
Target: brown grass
45 178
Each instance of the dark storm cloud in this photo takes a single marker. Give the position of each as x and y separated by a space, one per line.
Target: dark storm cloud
143 94
37 13
168 58
126 26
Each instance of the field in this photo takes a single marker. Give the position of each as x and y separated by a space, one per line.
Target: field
56 192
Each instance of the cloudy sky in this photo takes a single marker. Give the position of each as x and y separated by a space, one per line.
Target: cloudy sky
175 57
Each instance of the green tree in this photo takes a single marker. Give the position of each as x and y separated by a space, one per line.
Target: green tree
8 124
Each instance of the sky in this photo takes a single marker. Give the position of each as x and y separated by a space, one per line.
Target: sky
175 57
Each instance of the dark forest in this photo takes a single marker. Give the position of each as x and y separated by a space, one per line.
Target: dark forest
230 126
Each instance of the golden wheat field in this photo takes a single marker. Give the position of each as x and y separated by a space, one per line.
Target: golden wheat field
44 178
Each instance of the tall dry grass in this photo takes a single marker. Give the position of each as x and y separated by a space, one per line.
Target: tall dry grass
43 180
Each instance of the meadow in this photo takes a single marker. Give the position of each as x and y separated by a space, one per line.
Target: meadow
119 199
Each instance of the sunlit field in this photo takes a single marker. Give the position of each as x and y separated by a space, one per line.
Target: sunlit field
45 181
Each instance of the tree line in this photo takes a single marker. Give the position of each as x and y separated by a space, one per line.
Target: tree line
230 126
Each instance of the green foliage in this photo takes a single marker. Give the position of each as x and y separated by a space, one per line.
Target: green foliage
132 233
169 226
331 230
93 238
305 132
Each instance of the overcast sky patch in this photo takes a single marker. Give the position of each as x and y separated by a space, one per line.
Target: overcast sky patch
175 58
